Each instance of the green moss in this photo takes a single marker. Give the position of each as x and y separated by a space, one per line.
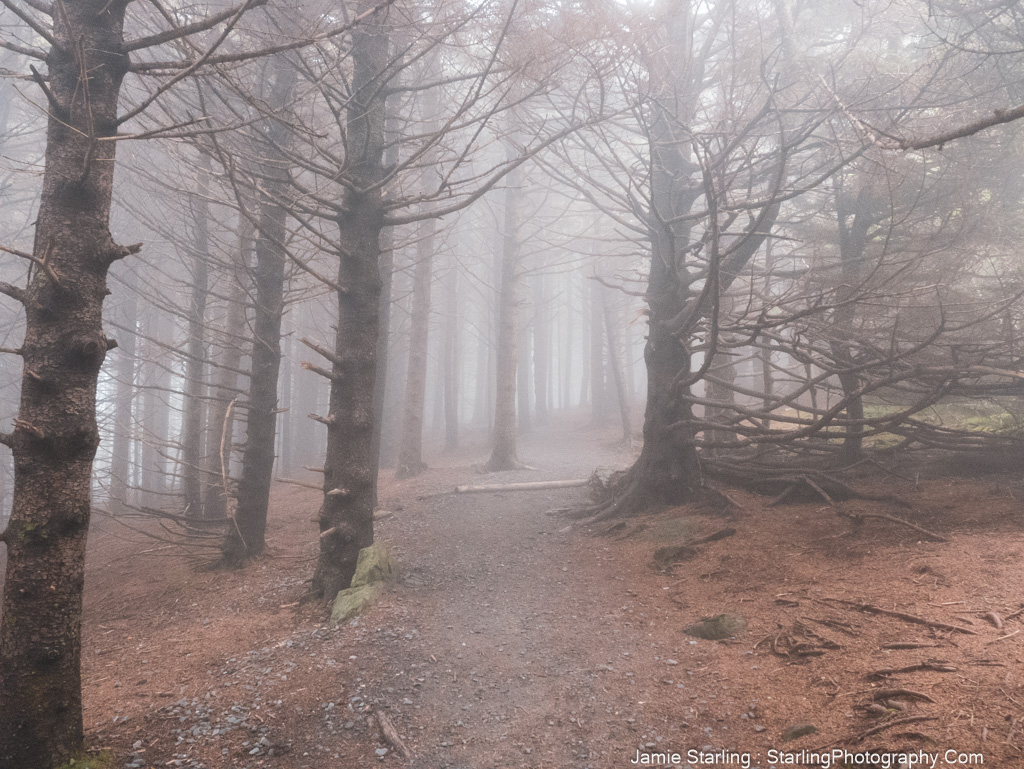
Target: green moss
375 564
89 760
353 600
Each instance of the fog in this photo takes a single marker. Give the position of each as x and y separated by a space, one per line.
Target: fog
746 242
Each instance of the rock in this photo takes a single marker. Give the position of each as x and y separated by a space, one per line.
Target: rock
717 628
374 570
374 565
797 731
666 556
350 602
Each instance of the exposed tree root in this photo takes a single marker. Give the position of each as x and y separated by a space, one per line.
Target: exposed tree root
791 482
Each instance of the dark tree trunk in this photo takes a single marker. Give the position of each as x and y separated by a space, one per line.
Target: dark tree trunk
387 272
192 463
350 468
503 451
246 537
854 223
56 436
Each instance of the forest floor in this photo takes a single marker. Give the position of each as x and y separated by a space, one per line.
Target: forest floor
512 640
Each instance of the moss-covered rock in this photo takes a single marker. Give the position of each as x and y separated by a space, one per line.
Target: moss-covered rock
717 628
375 568
86 760
374 565
350 602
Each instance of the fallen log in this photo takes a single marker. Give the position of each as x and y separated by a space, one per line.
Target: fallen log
532 486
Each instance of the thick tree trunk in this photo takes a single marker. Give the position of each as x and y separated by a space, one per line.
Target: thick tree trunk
246 536
55 436
503 450
350 467
194 405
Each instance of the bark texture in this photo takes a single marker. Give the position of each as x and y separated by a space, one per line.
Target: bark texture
247 536
56 436
503 450
350 467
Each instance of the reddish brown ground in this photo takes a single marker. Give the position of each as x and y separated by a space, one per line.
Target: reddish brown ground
512 641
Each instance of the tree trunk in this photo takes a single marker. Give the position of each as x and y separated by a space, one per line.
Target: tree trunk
523 385
854 223
387 272
56 435
598 392
124 402
350 467
410 455
613 363
450 355
246 537
222 409
195 385
503 450
541 349
153 475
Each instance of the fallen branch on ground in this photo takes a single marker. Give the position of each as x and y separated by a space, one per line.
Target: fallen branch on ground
860 516
532 486
890 724
892 694
871 609
391 735
935 666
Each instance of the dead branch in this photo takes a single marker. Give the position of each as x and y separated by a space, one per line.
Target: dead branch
532 486
871 609
935 666
890 724
858 517
909 694
391 735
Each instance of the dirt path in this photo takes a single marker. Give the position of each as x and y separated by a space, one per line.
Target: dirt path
516 620
513 643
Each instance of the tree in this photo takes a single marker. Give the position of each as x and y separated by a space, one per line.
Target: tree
56 436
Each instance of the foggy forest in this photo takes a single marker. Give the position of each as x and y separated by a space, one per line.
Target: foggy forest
500 384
